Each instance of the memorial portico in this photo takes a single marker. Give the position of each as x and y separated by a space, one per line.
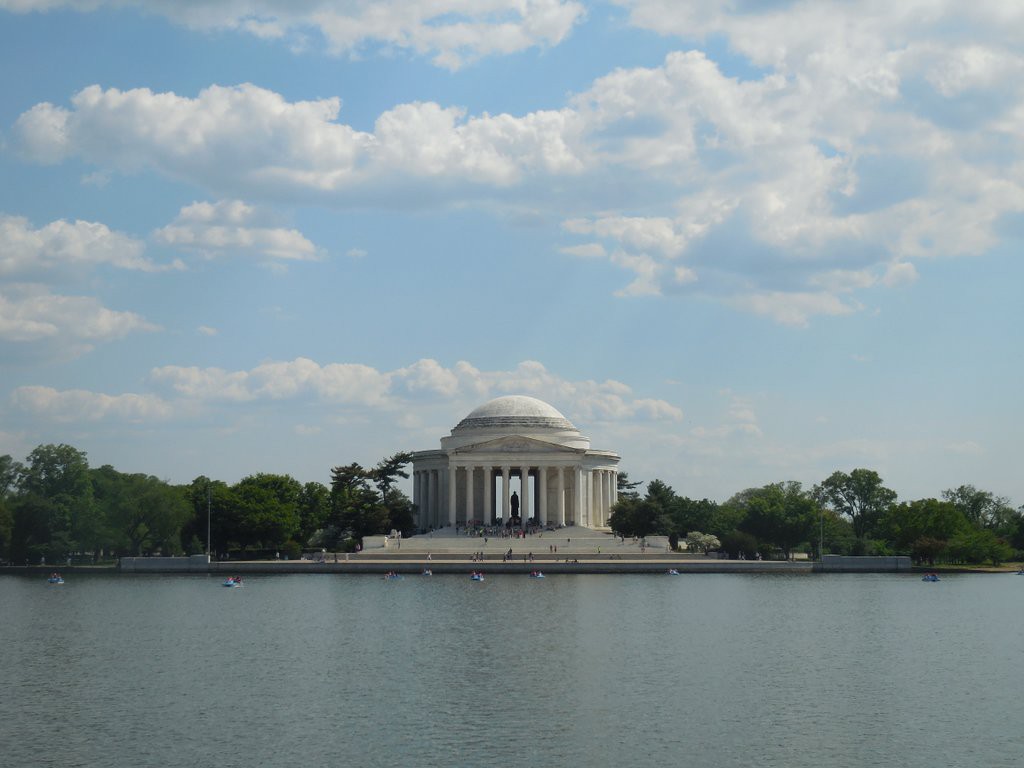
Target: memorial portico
514 444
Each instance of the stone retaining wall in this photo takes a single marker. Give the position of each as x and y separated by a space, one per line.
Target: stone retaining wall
844 564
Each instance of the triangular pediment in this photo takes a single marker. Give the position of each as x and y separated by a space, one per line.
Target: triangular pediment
515 444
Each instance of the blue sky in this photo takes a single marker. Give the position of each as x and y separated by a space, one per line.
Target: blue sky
736 242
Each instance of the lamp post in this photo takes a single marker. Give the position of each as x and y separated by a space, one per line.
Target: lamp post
209 549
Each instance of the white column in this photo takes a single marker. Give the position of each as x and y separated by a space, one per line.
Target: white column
453 492
609 482
561 496
604 498
578 498
505 495
469 493
428 502
542 489
590 499
524 500
436 497
615 486
416 496
488 495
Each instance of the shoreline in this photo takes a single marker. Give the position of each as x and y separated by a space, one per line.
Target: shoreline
449 565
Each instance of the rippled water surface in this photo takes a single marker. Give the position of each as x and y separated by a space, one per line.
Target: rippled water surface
709 670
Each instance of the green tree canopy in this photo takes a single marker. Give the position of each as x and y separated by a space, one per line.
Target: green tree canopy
982 508
140 513
268 509
314 509
859 495
625 487
905 524
356 508
780 515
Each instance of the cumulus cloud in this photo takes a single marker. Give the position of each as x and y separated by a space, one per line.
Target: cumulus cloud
250 139
232 226
76 405
792 308
425 383
31 314
451 32
423 380
63 245
864 137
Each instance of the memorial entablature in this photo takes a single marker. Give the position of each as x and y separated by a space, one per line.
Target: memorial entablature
514 461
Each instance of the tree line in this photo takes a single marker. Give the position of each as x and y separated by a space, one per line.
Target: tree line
847 513
54 506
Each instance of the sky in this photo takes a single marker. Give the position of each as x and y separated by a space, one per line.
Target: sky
736 242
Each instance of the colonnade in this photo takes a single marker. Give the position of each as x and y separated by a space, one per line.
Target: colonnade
561 494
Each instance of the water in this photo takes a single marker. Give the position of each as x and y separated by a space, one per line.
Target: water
708 670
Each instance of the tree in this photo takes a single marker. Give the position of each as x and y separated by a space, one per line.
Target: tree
780 515
140 512
397 504
701 542
268 509
388 470
58 477
314 509
637 517
859 495
739 543
9 472
626 488
687 515
906 524
356 508
981 508
978 546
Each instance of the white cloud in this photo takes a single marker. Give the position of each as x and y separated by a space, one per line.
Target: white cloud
355 388
79 405
871 136
207 330
62 245
249 139
33 315
795 308
966 447
585 251
232 226
900 273
452 32
424 380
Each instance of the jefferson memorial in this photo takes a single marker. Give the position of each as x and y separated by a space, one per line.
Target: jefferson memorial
518 460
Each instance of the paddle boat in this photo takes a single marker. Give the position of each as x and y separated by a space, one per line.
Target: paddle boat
930 577
55 578
392 576
476 576
427 572
233 581
536 575
673 572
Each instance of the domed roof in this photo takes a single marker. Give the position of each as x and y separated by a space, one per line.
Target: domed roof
514 412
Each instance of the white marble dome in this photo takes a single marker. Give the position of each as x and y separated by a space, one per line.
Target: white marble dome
515 412
515 415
